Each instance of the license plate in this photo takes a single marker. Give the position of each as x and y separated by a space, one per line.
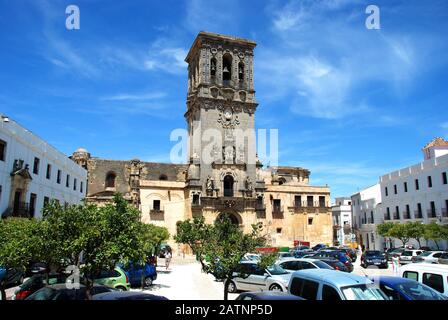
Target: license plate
377 263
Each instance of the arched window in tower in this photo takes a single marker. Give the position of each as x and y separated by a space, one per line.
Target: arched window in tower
213 67
228 186
226 69
240 71
110 180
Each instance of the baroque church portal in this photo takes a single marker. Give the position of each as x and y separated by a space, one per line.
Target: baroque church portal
224 177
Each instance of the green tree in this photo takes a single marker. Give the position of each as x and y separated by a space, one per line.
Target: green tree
220 247
151 237
400 231
383 230
416 230
96 238
434 232
20 242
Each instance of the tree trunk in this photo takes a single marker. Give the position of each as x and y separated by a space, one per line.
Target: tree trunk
226 289
437 244
2 291
89 286
142 279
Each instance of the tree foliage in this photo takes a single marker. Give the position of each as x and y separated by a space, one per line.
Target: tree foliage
20 242
90 237
414 230
219 247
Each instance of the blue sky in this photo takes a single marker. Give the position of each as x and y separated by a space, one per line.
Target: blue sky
350 103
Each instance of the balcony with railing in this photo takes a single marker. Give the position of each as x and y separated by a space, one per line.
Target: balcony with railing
277 212
387 216
431 213
396 216
157 212
407 215
418 214
445 212
21 209
310 206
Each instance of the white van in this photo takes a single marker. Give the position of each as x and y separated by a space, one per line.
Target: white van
433 275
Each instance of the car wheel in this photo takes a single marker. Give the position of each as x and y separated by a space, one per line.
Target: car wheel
148 281
120 288
275 287
231 287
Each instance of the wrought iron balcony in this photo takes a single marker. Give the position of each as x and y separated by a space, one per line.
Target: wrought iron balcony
387 216
444 212
22 210
277 212
418 214
431 213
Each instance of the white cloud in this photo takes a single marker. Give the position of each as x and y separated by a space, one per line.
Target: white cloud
133 97
320 62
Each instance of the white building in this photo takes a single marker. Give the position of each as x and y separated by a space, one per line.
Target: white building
32 172
366 210
342 221
418 192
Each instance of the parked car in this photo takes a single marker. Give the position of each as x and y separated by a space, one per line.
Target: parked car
443 258
332 285
397 288
335 264
351 253
294 264
433 275
116 279
374 258
251 257
11 276
37 282
61 292
127 295
267 295
136 273
407 255
319 246
273 278
285 255
428 257
342 257
394 252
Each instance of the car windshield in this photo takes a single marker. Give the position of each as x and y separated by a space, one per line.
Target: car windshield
419 292
43 294
363 292
373 253
322 265
425 254
276 270
406 253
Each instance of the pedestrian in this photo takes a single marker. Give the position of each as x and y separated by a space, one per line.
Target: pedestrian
395 264
168 257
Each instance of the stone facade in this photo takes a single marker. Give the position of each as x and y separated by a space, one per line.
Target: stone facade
223 175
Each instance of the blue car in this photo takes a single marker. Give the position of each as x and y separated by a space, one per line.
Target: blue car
397 288
135 272
11 276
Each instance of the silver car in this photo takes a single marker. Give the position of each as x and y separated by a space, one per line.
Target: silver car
253 278
295 264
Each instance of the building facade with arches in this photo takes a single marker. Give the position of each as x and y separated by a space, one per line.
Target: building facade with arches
222 176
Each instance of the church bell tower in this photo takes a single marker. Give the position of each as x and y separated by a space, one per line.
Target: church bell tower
220 116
